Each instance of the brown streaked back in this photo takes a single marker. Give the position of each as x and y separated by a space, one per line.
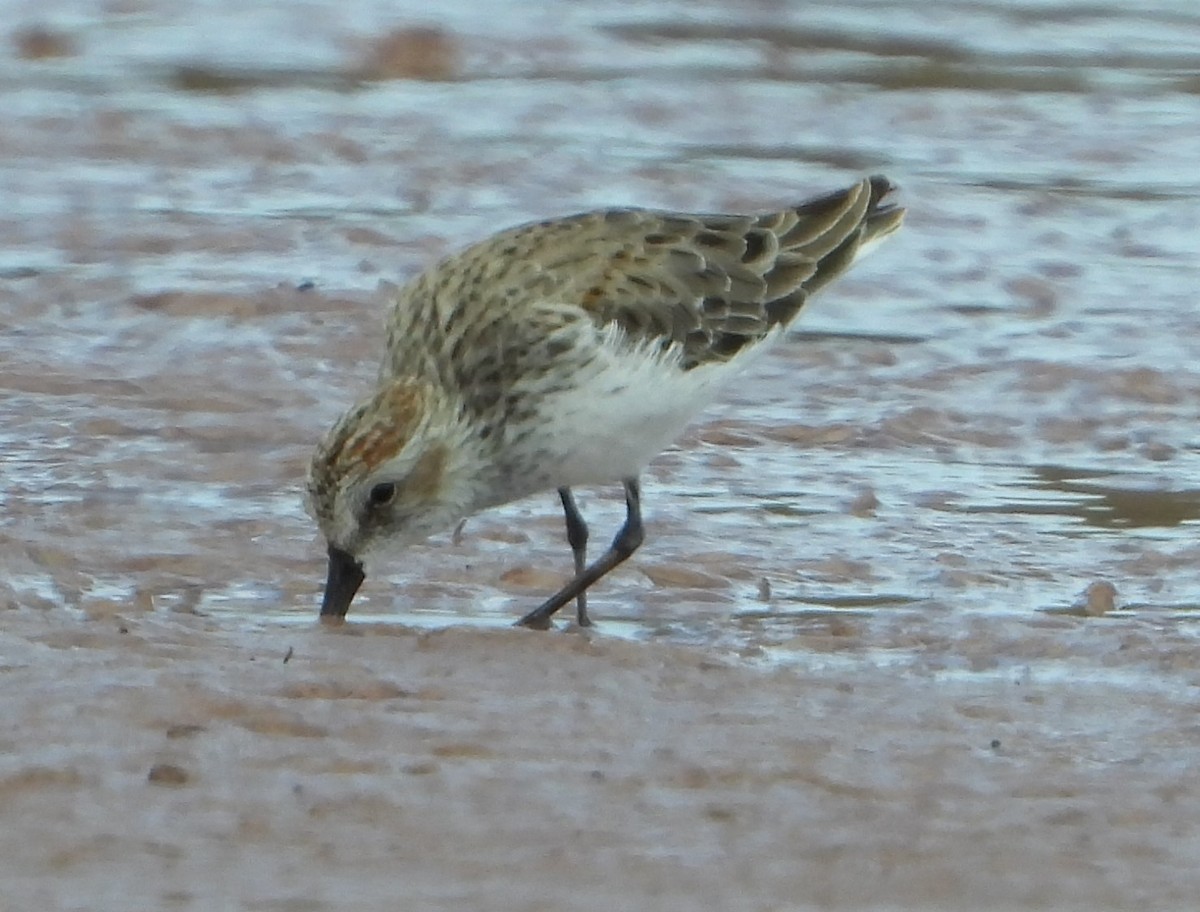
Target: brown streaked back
710 284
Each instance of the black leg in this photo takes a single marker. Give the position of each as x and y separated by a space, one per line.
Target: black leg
626 542
577 537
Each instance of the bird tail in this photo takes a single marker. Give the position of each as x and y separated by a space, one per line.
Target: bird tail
865 203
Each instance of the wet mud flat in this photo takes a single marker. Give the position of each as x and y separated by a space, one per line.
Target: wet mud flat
915 622
376 766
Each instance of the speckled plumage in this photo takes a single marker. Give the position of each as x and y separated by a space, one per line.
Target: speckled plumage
566 352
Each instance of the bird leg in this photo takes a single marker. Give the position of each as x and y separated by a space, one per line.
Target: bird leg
577 538
626 542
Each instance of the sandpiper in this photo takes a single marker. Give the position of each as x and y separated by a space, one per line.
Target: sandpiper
563 353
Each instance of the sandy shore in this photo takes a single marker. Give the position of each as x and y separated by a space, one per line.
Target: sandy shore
838 675
378 767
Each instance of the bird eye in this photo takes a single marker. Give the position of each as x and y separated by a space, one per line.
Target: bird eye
382 494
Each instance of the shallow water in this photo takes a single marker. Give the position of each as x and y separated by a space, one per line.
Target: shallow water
993 413
1011 379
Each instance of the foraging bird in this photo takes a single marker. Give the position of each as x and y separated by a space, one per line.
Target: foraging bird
562 353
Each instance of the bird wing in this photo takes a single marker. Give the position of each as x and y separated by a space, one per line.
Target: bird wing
707 284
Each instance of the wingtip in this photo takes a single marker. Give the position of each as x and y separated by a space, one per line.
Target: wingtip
883 215
881 188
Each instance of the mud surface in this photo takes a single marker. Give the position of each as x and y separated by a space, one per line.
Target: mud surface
915 623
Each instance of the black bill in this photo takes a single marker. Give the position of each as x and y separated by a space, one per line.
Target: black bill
345 576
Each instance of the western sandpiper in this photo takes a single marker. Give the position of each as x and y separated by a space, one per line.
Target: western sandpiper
563 353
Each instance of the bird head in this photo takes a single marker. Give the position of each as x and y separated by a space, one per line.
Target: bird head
388 474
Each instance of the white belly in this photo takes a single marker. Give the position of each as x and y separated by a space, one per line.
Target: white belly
628 409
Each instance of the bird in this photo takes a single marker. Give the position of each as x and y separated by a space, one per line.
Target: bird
563 353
